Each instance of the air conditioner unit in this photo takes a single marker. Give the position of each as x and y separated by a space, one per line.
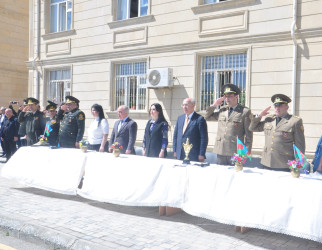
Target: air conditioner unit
159 78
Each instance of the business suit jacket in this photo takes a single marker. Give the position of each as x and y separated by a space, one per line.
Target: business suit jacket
237 124
197 133
126 136
279 139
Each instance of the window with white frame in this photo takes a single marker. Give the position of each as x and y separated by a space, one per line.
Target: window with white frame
131 8
130 85
218 70
60 15
59 85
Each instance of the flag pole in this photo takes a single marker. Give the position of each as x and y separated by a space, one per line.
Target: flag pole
237 145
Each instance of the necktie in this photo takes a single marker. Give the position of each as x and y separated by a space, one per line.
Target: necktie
230 111
185 124
278 119
120 125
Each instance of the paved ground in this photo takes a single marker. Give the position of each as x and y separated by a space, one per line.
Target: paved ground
59 221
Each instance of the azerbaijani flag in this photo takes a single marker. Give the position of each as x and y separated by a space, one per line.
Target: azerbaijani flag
299 155
48 129
242 150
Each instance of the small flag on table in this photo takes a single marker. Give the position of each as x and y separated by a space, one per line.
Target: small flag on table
48 129
299 155
242 150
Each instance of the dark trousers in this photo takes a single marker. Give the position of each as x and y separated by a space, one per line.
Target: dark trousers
10 147
96 147
224 160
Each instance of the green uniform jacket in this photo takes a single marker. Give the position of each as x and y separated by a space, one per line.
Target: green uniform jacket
72 128
237 124
279 139
35 125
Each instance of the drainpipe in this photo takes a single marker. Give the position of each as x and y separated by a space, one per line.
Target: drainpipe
294 78
37 49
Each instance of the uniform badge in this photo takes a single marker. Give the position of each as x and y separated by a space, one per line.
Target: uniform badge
81 117
53 121
284 134
302 128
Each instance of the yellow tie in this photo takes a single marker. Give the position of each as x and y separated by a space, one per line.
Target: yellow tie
185 124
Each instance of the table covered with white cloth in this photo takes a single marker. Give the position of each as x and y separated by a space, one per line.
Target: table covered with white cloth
56 170
256 198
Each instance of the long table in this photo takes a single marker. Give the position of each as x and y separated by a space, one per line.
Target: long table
255 198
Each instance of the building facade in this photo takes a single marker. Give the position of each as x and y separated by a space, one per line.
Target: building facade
14 36
112 52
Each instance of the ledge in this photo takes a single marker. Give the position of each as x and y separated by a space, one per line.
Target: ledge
219 6
58 34
131 21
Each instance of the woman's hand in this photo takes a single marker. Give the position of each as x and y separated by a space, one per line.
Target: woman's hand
161 155
101 149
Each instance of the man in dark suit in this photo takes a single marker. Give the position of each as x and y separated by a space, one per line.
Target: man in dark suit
9 133
193 126
124 131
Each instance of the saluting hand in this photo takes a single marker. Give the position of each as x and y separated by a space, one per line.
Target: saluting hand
264 112
25 109
219 101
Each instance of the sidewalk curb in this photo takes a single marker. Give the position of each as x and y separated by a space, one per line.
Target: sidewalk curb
25 229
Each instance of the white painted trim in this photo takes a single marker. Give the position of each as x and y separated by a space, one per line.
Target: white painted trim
201 8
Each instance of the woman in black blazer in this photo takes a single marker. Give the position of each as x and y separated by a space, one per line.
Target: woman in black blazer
155 139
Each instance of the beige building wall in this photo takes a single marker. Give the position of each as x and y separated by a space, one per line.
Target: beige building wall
177 34
13 50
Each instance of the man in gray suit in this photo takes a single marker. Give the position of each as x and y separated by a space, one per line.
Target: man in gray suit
124 131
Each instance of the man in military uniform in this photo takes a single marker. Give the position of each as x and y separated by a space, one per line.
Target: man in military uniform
233 121
73 123
282 130
34 120
52 125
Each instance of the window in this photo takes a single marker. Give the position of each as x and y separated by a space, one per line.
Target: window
218 70
212 1
60 15
59 85
130 85
131 8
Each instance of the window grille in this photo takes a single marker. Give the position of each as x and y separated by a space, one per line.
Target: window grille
218 70
60 15
130 85
59 85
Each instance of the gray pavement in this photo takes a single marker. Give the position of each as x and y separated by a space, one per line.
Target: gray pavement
57 221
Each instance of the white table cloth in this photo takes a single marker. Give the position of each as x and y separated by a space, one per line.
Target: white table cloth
256 198
56 170
133 180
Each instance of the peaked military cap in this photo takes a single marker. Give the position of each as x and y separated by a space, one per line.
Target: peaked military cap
25 101
71 99
31 100
279 99
51 106
231 89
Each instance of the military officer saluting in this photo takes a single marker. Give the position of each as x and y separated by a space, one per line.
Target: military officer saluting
233 120
282 130
34 120
73 123
52 125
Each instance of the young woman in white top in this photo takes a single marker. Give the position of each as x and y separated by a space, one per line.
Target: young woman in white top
98 130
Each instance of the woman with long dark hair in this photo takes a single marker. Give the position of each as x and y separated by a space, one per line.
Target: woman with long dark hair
98 130
155 140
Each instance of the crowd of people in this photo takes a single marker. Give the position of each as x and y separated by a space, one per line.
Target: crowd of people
65 128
